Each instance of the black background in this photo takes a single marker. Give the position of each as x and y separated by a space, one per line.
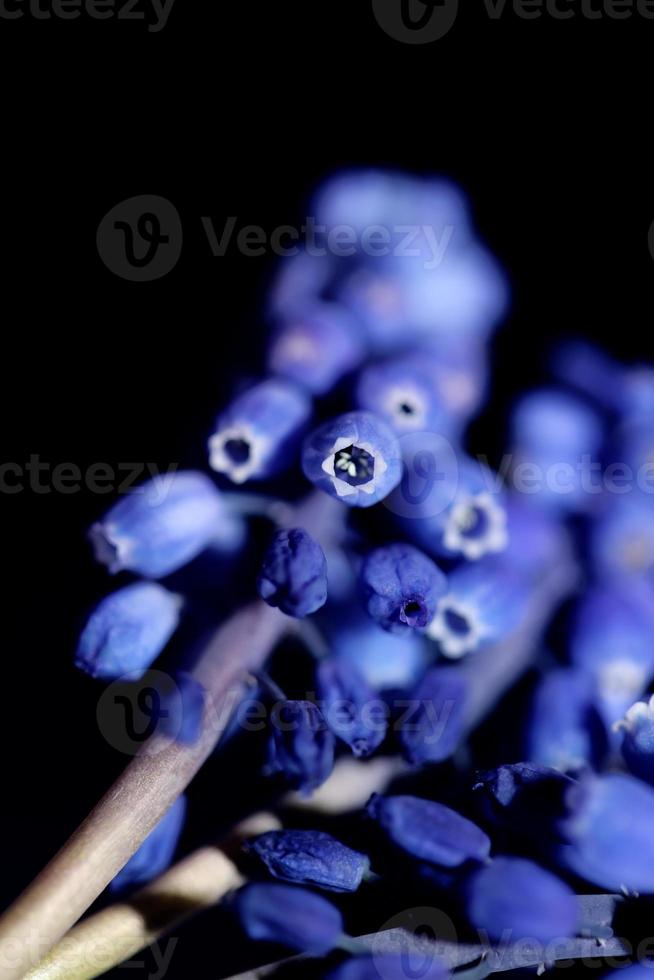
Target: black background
239 109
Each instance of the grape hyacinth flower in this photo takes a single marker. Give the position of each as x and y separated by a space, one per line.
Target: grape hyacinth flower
351 707
433 727
384 660
127 631
393 966
611 641
524 798
517 899
316 348
464 515
401 587
608 833
257 435
622 540
564 729
355 458
637 729
302 746
292 917
484 602
293 575
401 391
155 853
310 857
164 524
429 831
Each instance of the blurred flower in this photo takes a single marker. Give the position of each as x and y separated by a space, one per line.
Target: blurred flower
622 539
164 524
293 574
432 727
385 660
256 436
351 707
563 728
401 391
612 641
609 832
556 438
310 857
156 852
394 966
462 515
292 917
302 746
484 603
525 798
316 348
401 587
429 831
517 900
127 631
355 457
637 729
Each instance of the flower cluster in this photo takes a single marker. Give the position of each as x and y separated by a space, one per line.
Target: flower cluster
415 585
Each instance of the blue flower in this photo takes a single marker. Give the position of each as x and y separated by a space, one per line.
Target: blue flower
393 966
637 729
564 729
525 798
355 457
609 833
293 575
302 746
433 726
429 831
537 538
462 514
611 641
462 298
484 602
127 631
156 852
351 708
290 916
622 540
164 524
257 435
401 587
317 347
310 857
401 391
513 900
556 438
385 660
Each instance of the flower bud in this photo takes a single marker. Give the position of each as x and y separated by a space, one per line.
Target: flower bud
351 708
302 747
310 857
518 900
163 525
127 631
429 831
293 917
293 575
401 587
